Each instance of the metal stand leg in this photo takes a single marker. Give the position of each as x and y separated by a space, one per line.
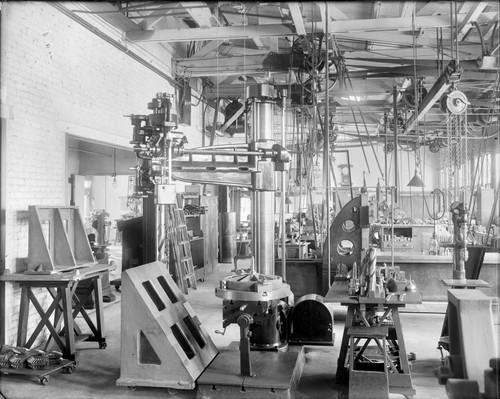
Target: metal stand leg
244 322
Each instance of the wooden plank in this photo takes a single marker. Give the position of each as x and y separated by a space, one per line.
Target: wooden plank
250 32
111 14
298 21
471 17
214 33
335 13
199 11
408 7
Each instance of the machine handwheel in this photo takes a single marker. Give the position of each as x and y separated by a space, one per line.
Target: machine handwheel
45 380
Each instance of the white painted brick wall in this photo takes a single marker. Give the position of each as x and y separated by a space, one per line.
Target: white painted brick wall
56 73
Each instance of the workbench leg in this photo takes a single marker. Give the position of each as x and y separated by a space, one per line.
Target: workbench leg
99 311
403 358
342 372
69 334
24 311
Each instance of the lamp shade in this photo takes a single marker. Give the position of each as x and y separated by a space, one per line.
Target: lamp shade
416 181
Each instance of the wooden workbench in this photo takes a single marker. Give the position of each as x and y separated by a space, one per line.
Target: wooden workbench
399 382
65 307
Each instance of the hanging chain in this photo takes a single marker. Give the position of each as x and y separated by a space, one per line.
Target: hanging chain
459 156
449 160
465 174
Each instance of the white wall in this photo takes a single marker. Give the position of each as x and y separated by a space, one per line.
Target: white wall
57 77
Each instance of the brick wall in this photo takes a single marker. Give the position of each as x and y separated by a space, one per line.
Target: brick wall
58 77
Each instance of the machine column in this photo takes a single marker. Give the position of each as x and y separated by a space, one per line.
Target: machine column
263 201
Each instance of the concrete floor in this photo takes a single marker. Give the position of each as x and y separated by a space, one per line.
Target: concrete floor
98 369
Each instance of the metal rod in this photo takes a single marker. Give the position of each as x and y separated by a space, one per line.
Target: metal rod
212 152
393 190
395 120
335 182
350 176
326 150
386 178
283 193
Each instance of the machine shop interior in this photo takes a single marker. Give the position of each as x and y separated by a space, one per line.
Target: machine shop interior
250 199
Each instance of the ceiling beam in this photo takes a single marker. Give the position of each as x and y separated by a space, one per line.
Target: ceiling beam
215 33
335 13
408 7
111 15
235 32
297 18
207 49
154 17
470 18
377 5
199 11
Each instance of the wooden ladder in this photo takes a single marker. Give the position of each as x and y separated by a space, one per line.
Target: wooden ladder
181 248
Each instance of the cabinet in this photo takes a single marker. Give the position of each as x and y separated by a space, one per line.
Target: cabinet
203 231
407 238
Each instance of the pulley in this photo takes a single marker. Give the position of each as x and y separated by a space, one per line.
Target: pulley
409 95
456 102
400 121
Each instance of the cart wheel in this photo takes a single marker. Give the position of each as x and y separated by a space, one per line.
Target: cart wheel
171 391
70 369
103 345
45 380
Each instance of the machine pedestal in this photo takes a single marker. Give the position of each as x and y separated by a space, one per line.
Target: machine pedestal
276 374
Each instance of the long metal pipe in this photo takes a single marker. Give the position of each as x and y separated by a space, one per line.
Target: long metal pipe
283 193
395 120
326 150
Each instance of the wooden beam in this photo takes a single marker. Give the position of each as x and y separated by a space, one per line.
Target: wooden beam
214 33
154 17
199 11
408 7
250 32
377 5
297 18
216 62
470 18
335 13
207 49
433 7
111 15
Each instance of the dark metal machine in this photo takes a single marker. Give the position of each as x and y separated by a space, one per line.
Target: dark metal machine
256 299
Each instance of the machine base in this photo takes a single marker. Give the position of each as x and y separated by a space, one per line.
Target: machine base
277 374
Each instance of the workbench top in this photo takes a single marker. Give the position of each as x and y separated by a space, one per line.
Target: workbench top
338 293
490 258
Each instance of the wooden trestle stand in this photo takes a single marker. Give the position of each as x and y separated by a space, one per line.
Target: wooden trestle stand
59 259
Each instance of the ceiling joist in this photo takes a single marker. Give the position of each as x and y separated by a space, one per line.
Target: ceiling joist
249 32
